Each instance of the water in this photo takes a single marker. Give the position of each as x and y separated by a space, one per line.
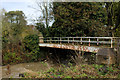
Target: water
24 67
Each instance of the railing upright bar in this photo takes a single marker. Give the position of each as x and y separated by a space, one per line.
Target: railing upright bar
68 39
89 41
73 40
81 40
111 42
60 40
97 41
50 40
46 40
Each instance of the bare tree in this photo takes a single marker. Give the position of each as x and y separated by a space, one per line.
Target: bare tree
46 12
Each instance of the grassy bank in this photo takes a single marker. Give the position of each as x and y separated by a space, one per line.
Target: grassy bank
78 71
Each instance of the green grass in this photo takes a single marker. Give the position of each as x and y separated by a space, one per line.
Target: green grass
80 71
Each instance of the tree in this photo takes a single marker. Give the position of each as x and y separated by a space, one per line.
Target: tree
46 9
17 23
46 17
13 24
41 28
5 28
113 17
79 19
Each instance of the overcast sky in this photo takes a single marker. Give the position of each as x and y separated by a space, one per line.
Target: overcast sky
23 5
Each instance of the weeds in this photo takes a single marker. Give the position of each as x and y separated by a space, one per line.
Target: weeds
80 71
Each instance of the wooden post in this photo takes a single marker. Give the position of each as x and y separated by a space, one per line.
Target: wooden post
97 41
81 40
89 41
111 42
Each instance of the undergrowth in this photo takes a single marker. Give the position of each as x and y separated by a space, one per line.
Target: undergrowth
78 71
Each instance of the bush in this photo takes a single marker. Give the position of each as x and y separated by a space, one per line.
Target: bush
31 43
11 58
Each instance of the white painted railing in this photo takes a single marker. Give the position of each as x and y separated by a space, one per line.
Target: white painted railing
89 40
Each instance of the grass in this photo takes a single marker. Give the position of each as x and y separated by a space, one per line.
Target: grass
78 71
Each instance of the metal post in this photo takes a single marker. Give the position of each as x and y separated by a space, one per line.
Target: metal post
46 40
111 42
60 40
41 39
81 40
50 40
73 41
89 41
97 41
68 40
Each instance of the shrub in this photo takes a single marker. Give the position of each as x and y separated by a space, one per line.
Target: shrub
10 58
31 43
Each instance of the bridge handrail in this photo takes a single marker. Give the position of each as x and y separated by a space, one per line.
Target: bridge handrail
81 40
84 37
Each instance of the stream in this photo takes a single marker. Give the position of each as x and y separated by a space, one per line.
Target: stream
23 67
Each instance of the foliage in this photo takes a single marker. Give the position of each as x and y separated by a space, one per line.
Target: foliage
78 19
41 28
31 46
9 58
113 17
89 71
14 31
13 24
17 23
82 19
30 30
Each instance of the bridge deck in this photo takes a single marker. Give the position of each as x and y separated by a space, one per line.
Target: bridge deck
93 49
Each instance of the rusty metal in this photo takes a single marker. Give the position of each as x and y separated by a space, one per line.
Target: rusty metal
71 47
59 42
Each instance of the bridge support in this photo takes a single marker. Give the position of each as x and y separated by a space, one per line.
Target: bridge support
118 52
106 56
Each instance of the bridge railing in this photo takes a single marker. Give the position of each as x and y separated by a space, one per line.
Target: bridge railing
81 40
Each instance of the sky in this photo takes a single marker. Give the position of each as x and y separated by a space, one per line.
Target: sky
23 5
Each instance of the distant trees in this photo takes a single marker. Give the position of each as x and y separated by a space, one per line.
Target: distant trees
15 32
17 22
79 19
13 25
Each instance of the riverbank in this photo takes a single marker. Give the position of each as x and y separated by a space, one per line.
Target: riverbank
47 70
78 71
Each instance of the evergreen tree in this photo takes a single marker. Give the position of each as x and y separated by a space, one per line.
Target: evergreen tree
79 19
